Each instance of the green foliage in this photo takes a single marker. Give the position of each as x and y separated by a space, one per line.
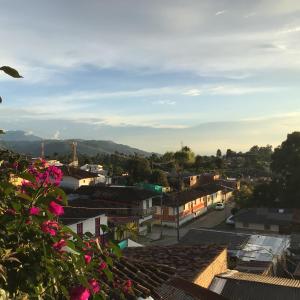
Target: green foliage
243 197
139 169
286 170
40 258
159 177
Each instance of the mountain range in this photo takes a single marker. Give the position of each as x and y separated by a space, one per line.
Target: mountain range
26 143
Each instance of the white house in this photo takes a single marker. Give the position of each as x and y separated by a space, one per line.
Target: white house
73 178
82 221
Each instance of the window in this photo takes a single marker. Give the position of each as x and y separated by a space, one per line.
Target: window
80 228
97 226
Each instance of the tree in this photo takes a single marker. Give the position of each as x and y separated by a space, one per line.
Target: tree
139 169
219 153
185 157
285 166
243 196
159 177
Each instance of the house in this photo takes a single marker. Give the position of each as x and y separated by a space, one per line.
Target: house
98 169
235 285
154 281
73 178
120 201
266 219
190 203
196 264
82 220
252 253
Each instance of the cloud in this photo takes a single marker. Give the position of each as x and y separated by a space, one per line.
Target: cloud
165 102
192 92
221 12
56 135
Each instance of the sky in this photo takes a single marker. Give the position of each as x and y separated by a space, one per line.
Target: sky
153 74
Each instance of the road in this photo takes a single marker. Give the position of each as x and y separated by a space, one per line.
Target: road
210 220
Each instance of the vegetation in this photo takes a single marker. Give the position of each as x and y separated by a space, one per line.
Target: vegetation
40 257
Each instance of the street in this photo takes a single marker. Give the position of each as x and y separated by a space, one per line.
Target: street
210 220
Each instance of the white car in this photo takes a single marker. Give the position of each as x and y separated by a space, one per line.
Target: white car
230 220
219 206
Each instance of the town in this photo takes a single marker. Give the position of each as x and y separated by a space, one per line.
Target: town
198 226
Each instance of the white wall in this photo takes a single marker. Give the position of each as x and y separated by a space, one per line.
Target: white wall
89 224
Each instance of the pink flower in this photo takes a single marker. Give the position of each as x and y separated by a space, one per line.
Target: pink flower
87 259
50 227
128 283
102 266
79 293
55 208
95 286
33 211
58 245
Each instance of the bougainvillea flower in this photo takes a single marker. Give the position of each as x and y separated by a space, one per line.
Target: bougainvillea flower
79 293
87 259
33 211
50 227
102 266
95 286
55 208
58 245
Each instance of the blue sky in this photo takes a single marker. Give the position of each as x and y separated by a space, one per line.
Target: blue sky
153 74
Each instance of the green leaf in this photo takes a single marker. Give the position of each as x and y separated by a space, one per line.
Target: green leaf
27 176
115 249
11 71
108 274
24 196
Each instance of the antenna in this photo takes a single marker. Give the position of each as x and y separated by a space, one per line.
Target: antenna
74 162
42 150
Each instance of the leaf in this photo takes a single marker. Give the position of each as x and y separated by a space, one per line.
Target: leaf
24 196
11 71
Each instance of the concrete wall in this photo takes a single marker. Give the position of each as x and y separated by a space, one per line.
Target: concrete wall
260 227
218 266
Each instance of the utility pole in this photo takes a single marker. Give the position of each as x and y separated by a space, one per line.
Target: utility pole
177 219
161 216
42 150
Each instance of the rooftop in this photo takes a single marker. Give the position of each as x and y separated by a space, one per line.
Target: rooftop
269 216
232 240
77 173
188 261
116 193
236 285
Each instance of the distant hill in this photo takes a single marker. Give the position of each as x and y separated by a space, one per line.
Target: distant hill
18 135
21 142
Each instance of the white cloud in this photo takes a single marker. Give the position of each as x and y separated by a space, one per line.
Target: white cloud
165 102
193 92
56 135
221 12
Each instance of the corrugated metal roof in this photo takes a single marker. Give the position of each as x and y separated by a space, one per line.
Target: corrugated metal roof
262 279
244 286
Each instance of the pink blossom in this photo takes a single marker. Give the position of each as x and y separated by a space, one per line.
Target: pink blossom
50 227
55 208
58 245
95 286
87 259
33 211
102 266
79 293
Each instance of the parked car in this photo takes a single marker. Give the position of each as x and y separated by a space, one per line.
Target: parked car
230 220
219 206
